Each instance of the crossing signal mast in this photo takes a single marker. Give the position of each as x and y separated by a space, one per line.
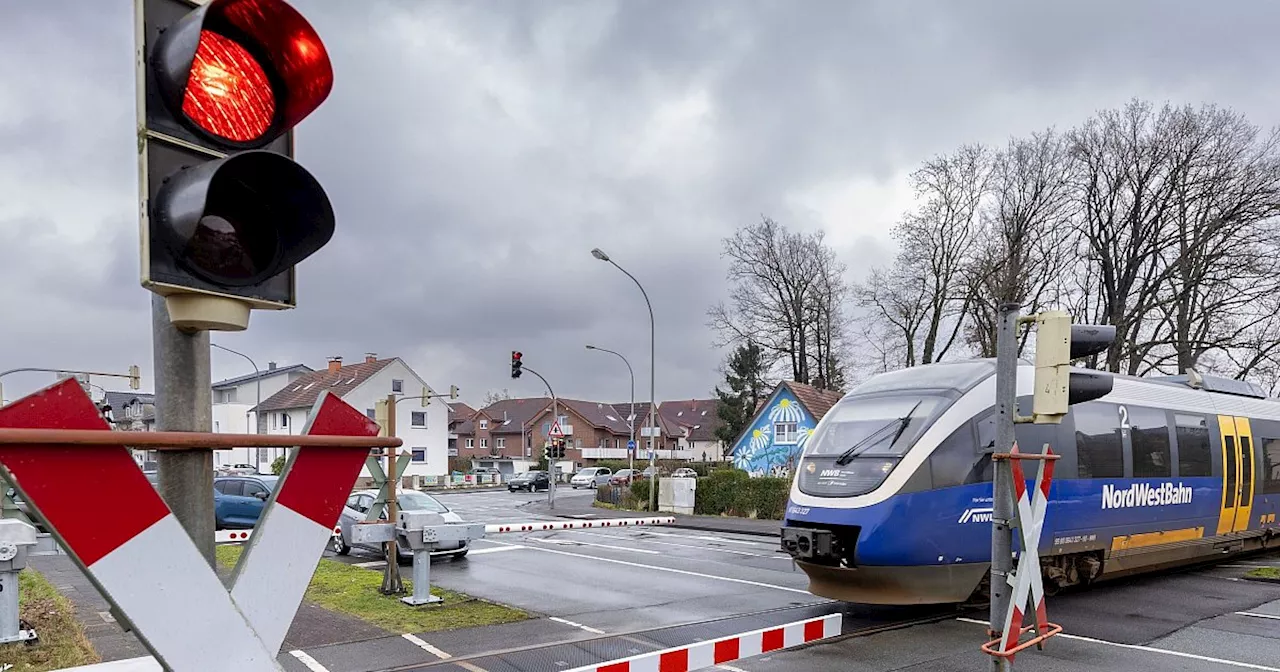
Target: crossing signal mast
226 214
1058 343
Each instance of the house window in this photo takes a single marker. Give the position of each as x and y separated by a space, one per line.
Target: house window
784 433
502 442
546 428
373 415
419 419
419 455
453 452
471 443
484 443
274 421
484 424
397 386
229 396
284 420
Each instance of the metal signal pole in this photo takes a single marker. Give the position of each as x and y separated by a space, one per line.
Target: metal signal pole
551 465
1001 511
391 582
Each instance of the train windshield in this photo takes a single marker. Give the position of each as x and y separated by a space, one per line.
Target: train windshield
873 427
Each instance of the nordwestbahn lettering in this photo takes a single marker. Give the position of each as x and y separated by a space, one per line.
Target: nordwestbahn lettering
1145 494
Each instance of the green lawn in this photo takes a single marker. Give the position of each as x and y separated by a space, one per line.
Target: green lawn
354 591
62 642
1264 573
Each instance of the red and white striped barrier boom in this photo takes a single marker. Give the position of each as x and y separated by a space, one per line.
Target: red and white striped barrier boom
143 560
726 649
549 525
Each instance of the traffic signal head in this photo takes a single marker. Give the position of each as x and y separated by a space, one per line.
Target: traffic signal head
1058 341
516 364
227 214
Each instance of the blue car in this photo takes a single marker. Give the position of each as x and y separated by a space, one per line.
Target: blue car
238 501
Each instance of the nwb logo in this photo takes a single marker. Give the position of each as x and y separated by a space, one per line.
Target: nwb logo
976 516
830 473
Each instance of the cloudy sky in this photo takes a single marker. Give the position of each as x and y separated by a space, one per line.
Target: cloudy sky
476 151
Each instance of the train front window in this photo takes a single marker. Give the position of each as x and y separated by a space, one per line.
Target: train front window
875 427
861 440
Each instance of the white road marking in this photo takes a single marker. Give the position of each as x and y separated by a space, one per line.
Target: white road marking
731 668
670 569
1151 649
566 542
311 663
709 538
700 548
369 565
1257 615
418 642
495 549
576 625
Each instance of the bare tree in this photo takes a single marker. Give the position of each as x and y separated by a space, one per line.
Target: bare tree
1021 251
788 295
492 397
922 298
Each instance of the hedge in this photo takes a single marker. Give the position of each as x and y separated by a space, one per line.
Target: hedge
732 492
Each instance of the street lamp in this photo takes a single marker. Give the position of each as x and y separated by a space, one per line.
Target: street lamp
631 422
653 397
257 374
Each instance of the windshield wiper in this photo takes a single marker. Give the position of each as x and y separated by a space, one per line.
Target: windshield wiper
847 456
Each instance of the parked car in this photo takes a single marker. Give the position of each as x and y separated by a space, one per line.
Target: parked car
591 477
532 481
648 472
485 471
238 470
357 509
625 476
684 472
238 501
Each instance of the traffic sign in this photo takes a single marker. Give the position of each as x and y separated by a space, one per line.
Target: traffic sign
144 561
631 445
556 432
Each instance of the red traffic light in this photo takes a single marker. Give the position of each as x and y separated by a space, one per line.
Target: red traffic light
515 356
242 72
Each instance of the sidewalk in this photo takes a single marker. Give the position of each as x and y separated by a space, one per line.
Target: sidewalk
580 507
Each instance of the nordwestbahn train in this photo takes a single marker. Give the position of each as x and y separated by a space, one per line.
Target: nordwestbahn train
891 503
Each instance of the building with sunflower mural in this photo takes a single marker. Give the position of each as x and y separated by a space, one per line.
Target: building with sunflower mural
772 442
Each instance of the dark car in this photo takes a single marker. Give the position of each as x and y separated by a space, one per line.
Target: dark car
529 480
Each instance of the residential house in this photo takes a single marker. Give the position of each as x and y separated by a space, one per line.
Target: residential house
694 422
233 403
425 431
459 413
668 433
777 433
497 435
134 412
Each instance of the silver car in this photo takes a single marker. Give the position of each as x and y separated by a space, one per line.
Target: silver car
357 509
591 477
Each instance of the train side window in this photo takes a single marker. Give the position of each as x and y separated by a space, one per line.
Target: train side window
1270 466
1149 436
1194 456
960 461
1099 448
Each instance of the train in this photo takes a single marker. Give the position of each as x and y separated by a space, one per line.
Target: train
891 499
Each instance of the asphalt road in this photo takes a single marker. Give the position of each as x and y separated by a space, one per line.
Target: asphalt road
614 579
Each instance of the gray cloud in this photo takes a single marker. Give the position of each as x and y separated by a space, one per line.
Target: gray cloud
476 152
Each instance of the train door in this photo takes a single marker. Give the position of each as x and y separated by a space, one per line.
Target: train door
1237 474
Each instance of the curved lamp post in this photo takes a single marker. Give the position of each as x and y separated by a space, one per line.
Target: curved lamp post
631 422
653 397
257 374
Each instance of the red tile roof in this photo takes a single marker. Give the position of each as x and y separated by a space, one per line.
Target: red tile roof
818 401
698 415
303 392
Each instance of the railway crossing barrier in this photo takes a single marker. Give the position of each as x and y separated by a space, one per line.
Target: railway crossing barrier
726 649
1028 514
61 456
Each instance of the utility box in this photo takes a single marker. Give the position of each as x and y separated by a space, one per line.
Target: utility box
676 495
17 538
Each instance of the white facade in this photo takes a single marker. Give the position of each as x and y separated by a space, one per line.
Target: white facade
427 439
232 414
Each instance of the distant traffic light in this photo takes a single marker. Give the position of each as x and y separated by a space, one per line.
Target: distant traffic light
227 214
516 364
1058 342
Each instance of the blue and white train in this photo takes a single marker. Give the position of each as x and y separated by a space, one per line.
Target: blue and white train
891 503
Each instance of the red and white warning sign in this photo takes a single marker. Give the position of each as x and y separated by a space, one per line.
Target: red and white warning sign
143 560
556 432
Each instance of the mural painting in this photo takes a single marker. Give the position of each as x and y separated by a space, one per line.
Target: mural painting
772 445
